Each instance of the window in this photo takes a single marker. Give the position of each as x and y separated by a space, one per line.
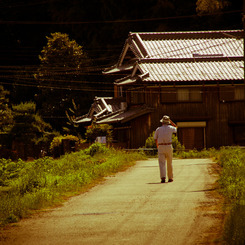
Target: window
231 93
196 95
173 95
137 97
239 93
183 94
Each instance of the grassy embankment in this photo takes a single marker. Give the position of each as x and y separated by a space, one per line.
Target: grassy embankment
232 185
231 182
28 186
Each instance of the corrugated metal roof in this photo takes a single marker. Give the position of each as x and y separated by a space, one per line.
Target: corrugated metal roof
193 71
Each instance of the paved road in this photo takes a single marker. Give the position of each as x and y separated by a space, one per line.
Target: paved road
129 208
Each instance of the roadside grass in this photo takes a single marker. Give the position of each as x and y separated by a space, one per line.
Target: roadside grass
231 182
195 153
232 185
29 186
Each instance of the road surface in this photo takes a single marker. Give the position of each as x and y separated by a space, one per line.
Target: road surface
132 207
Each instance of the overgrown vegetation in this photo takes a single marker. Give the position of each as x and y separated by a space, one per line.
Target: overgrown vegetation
6 115
232 183
57 148
96 130
27 186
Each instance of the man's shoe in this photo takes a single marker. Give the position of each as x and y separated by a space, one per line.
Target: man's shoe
170 180
163 180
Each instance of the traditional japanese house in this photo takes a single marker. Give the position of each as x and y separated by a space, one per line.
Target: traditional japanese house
197 78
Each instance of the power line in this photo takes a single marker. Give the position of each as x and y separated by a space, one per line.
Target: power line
18 22
24 4
71 88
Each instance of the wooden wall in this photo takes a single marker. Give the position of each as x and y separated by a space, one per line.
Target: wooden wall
218 115
140 130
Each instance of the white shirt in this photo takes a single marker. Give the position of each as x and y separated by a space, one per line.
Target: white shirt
164 133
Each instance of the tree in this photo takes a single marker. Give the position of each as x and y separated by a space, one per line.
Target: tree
60 51
61 59
6 116
30 130
62 76
211 6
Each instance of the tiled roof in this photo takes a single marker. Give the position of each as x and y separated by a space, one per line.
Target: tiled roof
193 71
125 116
182 56
187 70
189 48
188 44
101 114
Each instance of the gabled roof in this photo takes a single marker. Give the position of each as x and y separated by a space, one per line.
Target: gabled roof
191 44
111 110
182 56
183 44
187 70
101 107
125 116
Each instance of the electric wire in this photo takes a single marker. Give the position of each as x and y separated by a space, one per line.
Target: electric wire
18 22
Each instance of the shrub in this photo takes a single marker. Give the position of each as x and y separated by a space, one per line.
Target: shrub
177 145
96 130
96 148
150 143
56 144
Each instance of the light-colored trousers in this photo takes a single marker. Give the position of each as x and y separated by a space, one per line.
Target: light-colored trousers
165 153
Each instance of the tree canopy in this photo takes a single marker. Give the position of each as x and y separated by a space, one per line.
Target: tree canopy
211 6
60 51
61 57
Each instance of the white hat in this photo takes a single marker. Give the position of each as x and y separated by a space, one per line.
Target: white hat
165 119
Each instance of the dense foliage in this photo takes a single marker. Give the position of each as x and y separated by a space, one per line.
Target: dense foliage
63 65
6 116
232 183
96 130
29 127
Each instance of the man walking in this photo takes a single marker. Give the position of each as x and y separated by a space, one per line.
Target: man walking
163 138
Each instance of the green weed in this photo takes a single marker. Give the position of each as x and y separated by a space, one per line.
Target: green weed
26 186
232 184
